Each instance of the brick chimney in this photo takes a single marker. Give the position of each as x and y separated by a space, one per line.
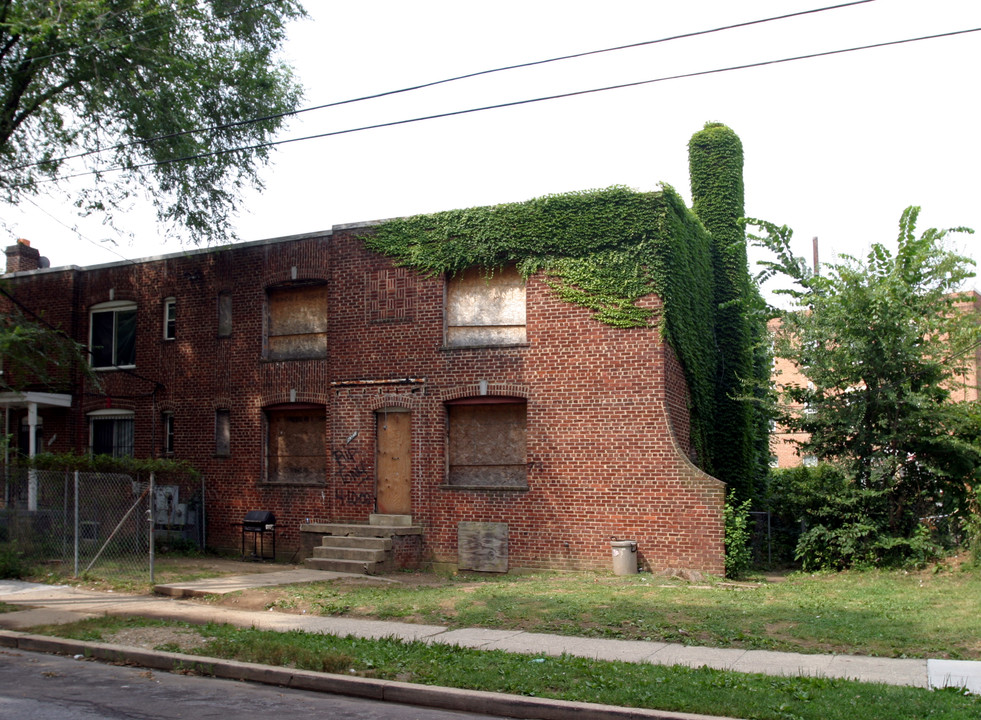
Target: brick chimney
22 256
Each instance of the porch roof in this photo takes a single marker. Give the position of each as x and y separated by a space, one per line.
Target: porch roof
39 399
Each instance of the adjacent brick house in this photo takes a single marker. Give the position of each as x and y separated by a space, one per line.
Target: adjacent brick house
313 378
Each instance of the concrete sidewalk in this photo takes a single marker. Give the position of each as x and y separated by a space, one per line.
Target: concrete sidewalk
50 604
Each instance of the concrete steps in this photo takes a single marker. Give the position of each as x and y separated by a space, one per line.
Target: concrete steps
359 549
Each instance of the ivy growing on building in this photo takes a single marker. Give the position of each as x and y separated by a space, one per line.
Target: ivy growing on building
739 444
603 250
607 249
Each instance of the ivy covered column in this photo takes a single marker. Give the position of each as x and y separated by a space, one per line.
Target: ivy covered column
715 156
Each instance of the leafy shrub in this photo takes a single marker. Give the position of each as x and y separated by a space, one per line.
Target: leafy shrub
971 526
12 564
844 525
738 551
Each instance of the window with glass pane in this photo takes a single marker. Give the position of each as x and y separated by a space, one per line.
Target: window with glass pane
112 436
223 433
113 337
170 319
168 433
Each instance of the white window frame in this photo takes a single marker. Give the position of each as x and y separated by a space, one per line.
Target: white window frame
170 318
111 414
115 306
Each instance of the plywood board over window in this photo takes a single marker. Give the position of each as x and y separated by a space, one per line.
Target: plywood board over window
485 310
296 446
487 444
296 322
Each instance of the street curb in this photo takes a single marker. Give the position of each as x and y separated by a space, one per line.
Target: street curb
474 701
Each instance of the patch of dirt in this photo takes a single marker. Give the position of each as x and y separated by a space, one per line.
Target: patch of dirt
255 599
152 637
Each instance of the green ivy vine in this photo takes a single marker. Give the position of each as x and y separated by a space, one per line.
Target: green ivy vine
739 446
109 464
603 250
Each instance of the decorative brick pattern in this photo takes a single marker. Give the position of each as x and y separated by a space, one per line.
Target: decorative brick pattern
390 295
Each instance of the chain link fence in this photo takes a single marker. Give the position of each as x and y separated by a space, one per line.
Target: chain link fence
106 524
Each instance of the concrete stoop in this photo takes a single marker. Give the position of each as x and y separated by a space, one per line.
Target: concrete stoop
358 548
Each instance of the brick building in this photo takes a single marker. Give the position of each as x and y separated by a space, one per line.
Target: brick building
486 424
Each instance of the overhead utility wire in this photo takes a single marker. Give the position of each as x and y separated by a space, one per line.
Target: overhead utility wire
731 68
434 83
79 234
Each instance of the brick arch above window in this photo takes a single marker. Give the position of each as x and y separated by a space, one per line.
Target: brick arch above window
287 398
479 389
299 273
108 403
395 400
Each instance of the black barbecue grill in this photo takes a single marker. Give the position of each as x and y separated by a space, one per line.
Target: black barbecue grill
258 523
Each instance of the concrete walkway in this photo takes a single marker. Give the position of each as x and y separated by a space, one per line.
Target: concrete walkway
51 604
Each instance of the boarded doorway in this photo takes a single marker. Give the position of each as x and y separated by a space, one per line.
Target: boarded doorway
394 461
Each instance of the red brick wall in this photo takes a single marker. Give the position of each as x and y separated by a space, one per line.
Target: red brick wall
606 458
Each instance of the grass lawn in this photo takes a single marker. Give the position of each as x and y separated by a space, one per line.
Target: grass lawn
710 692
932 613
134 577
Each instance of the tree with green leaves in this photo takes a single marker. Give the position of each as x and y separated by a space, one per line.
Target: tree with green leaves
177 98
884 343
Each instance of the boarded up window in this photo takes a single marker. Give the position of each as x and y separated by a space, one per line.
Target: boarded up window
296 448
297 322
223 433
483 310
224 314
487 444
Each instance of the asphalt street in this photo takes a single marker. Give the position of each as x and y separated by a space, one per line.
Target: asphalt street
35 686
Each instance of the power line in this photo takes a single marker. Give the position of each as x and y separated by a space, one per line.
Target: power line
89 240
516 103
434 83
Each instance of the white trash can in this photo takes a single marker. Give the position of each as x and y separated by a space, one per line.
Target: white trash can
624 557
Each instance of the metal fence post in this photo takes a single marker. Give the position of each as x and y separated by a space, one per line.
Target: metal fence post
150 513
75 543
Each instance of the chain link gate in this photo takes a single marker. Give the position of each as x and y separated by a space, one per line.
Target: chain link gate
101 523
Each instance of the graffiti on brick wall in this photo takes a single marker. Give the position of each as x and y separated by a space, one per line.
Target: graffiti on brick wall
356 486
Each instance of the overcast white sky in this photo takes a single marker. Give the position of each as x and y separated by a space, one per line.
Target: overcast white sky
835 147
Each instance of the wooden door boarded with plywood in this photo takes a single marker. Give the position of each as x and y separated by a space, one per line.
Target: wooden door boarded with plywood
394 461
